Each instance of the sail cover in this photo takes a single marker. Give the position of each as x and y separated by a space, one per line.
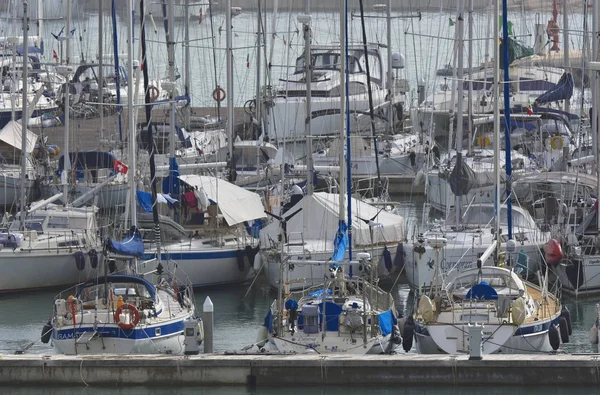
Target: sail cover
562 91
236 204
132 245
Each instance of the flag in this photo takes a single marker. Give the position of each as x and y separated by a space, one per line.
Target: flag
284 42
248 61
529 109
200 17
451 22
510 26
55 55
120 167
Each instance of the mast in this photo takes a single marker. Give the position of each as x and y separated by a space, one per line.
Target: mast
24 117
150 137
130 116
496 49
305 20
389 66
101 63
507 147
67 110
186 61
171 60
470 76
460 102
341 213
117 71
230 114
595 86
370 93
344 27
566 46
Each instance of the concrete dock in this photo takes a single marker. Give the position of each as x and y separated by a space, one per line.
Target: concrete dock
281 370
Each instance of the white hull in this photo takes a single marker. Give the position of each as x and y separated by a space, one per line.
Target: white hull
10 190
535 342
210 266
22 270
171 343
333 342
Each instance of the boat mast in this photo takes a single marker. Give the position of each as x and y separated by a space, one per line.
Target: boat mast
186 62
150 137
343 104
566 46
305 20
67 110
346 82
230 113
130 116
171 60
460 102
101 65
507 146
470 77
389 67
24 117
595 85
496 49
370 93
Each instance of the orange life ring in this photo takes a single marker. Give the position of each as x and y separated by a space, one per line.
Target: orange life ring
153 93
219 94
132 309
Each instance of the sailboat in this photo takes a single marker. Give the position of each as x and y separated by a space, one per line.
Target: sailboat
347 312
125 313
513 315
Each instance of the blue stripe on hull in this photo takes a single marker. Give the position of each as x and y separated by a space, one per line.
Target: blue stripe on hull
113 331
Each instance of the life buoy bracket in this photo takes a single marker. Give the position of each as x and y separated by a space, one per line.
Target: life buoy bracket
154 93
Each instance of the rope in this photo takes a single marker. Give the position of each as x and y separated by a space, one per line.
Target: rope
81 374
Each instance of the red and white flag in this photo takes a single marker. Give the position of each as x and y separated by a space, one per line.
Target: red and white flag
55 55
120 167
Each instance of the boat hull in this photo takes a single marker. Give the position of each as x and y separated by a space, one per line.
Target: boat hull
24 270
332 342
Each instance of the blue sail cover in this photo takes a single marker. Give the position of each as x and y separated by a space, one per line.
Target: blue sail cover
132 245
386 320
170 184
562 91
340 243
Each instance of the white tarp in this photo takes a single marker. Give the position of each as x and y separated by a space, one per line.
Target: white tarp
236 204
11 135
319 220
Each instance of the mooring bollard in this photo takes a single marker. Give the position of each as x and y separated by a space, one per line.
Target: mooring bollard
207 318
475 345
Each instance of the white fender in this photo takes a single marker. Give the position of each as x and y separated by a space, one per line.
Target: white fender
200 332
257 262
519 311
426 308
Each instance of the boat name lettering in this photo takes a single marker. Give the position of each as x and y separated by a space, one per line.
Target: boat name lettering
593 262
446 265
65 336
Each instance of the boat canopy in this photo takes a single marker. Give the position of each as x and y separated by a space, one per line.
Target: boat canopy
236 204
10 136
119 279
484 214
318 219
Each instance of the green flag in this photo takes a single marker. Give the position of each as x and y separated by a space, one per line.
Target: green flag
451 22
510 26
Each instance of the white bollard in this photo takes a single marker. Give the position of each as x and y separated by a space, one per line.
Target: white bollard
207 318
475 345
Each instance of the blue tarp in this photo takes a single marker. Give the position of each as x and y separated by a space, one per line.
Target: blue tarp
482 291
562 91
340 243
132 245
386 322
170 184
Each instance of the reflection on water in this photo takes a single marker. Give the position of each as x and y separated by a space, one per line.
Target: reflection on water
338 390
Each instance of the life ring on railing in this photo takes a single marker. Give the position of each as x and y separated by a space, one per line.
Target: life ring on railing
219 94
556 142
153 93
132 309
483 141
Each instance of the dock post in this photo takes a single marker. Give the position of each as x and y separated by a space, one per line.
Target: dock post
207 318
475 346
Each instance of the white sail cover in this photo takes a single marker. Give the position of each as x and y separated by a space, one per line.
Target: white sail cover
11 135
319 220
235 204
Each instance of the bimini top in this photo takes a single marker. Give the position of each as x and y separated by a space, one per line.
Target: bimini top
235 203
11 135
119 279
